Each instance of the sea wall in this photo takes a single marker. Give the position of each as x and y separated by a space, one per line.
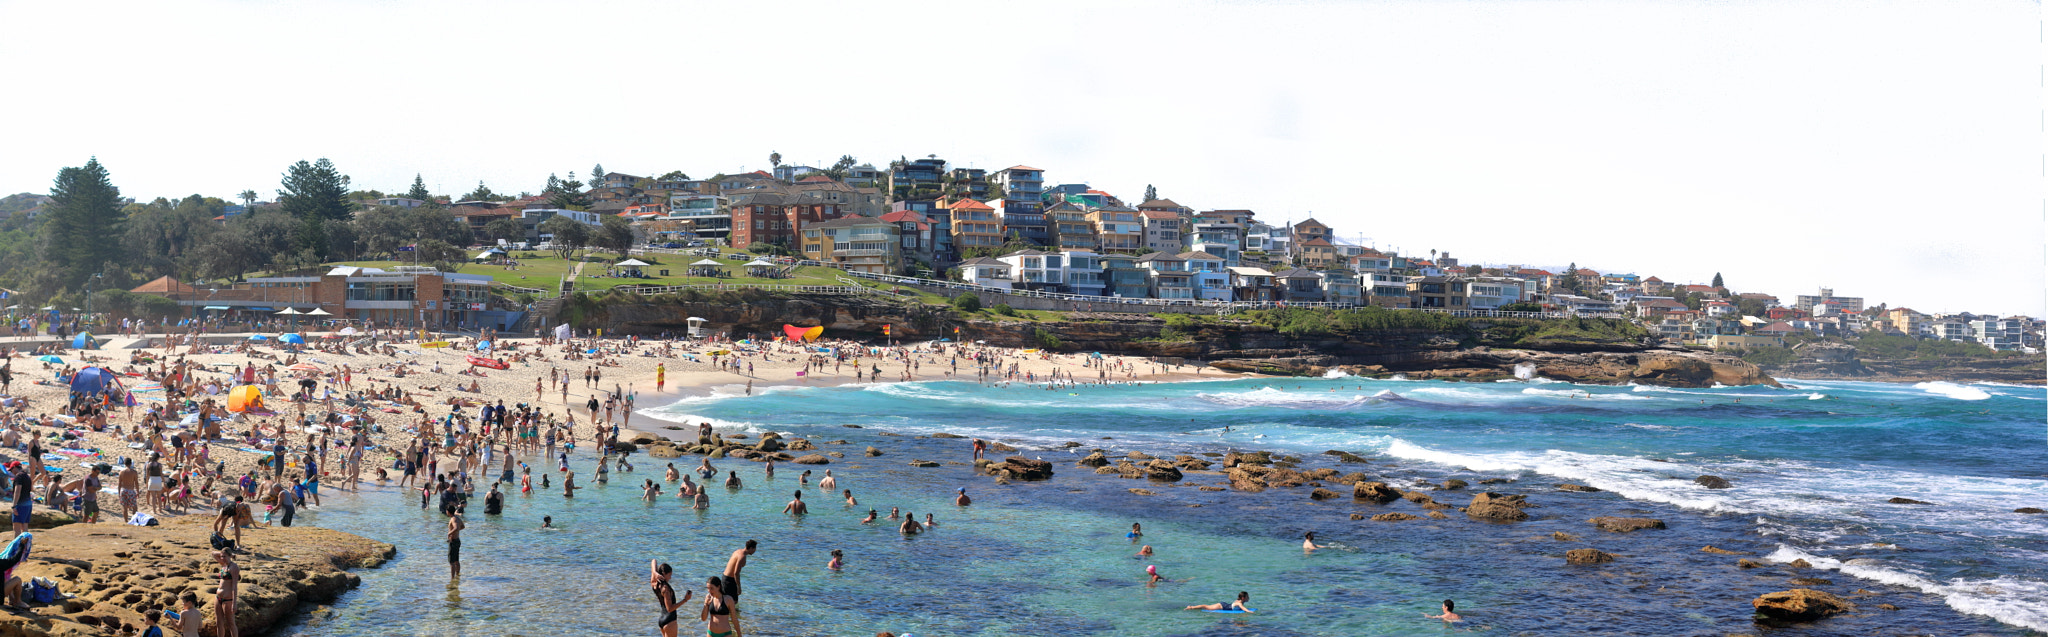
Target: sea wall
1479 353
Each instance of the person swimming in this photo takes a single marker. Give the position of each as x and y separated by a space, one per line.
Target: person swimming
1308 542
838 561
1152 570
1450 613
1146 551
547 522
1136 532
732 480
1240 604
869 518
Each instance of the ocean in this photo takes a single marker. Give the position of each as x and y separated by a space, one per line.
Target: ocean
1812 466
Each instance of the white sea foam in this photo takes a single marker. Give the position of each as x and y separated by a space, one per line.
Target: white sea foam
2015 601
1952 390
1581 394
1816 396
1270 397
1334 373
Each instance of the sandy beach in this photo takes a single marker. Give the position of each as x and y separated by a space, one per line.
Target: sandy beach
435 380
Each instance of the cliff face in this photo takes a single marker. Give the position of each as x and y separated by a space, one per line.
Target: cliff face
1231 345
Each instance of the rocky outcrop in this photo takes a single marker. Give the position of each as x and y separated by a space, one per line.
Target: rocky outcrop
1721 551
1162 470
2031 510
1094 460
1488 505
1021 468
1906 501
1577 487
812 459
114 572
1587 556
1625 525
1377 492
1712 482
1800 604
1394 517
1322 494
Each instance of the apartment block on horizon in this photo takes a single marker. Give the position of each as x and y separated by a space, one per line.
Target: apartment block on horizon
1022 222
916 178
1165 230
857 244
1023 187
1118 230
975 225
1848 304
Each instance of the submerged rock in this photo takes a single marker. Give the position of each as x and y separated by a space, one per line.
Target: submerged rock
1094 460
1906 501
923 464
812 459
1625 525
1394 517
2029 510
1454 484
1162 470
1721 551
1587 556
1811 581
1712 482
1578 487
1322 494
872 452
1748 563
1800 604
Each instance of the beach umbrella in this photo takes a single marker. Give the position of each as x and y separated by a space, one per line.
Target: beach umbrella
318 312
347 330
50 359
304 367
258 337
483 346
84 340
245 398
293 339
287 311
562 332
92 380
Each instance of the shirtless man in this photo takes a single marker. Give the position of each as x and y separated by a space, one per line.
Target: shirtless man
733 566
962 499
455 526
130 484
1450 614
828 483
796 506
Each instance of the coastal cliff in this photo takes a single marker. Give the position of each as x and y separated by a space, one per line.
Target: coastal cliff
1284 342
111 573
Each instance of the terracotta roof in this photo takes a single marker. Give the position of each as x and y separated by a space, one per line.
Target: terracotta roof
1653 280
814 179
969 204
1318 241
1586 272
1160 203
1161 214
1022 167
1779 326
164 285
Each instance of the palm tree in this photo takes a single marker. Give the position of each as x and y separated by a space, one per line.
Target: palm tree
248 198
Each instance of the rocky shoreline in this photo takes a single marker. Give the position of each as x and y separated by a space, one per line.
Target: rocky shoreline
1618 536
108 574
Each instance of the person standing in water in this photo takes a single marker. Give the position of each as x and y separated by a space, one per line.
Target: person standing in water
455 526
665 597
796 506
1308 542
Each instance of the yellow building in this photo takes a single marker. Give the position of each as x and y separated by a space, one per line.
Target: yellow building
860 244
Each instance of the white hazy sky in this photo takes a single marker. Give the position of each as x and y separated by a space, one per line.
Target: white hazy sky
1891 150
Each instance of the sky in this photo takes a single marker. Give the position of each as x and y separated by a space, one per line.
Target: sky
1888 150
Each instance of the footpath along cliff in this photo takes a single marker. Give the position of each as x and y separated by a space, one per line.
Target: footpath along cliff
1298 342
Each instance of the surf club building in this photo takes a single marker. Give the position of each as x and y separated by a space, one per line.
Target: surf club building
403 295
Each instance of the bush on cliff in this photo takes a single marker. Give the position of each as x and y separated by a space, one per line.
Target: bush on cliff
967 303
1045 340
1299 322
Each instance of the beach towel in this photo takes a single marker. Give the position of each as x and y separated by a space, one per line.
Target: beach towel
16 552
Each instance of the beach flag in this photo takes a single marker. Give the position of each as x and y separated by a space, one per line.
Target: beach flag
885 330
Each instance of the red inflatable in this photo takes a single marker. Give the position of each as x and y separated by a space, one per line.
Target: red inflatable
487 362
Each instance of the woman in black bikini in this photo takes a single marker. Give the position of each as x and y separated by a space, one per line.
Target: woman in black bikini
717 612
665 597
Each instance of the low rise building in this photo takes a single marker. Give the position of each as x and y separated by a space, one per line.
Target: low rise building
986 272
856 244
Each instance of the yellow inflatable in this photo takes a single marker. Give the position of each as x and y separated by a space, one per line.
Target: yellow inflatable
245 398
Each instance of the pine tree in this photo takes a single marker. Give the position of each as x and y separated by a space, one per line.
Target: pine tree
1151 194
1717 281
314 194
596 175
482 193
419 189
84 212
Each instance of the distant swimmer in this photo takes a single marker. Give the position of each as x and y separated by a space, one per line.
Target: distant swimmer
732 479
1308 542
1240 604
1449 613
1146 551
962 500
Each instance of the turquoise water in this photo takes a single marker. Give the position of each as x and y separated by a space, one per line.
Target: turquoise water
1812 465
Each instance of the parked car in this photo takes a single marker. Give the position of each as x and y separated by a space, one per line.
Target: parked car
671 245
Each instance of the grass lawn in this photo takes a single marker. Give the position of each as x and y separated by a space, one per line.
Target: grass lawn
546 272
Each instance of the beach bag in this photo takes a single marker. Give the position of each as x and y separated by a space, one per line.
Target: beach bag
41 591
219 542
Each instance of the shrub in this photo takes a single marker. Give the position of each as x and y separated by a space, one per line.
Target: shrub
1045 340
967 303
1004 309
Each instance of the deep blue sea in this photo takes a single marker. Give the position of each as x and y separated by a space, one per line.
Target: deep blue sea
1812 466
